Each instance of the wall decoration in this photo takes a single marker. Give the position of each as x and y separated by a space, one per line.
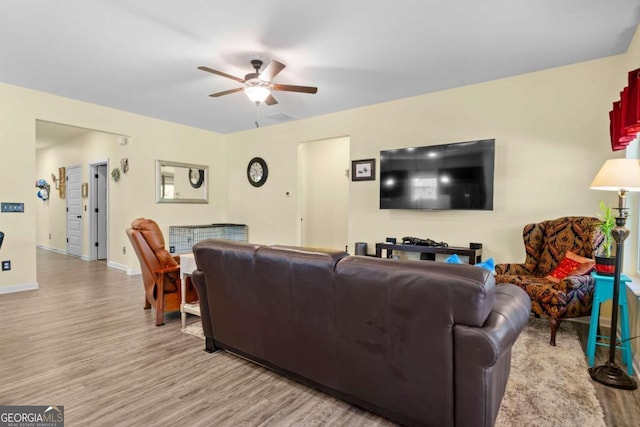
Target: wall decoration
363 170
115 174
85 189
62 174
62 189
43 192
55 180
257 172
124 165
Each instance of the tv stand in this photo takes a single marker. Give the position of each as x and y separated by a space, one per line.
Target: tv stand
474 252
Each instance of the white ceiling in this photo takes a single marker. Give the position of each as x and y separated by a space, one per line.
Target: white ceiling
141 55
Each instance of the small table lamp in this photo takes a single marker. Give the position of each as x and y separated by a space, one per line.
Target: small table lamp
621 175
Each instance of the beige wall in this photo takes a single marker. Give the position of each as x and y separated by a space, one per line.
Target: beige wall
132 197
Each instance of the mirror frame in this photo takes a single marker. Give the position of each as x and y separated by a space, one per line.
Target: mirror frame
205 184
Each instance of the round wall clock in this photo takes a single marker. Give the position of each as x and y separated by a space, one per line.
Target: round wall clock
196 177
257 172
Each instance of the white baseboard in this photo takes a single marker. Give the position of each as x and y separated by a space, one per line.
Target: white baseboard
111 264
125 268
52 249
18 288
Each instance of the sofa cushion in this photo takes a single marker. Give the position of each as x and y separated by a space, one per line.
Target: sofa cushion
544 291
565 234
570 265
489 264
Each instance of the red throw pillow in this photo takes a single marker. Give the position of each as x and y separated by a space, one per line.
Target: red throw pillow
571 265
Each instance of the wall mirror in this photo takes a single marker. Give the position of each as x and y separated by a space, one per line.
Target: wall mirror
181 182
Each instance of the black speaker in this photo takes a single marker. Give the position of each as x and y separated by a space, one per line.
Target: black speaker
391 240
361 248
475 245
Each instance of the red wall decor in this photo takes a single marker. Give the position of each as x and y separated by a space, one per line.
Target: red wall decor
624 118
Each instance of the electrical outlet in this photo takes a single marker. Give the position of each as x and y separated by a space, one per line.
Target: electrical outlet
124 250
172 249
6 265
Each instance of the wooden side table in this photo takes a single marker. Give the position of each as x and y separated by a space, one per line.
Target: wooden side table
187 266
602 293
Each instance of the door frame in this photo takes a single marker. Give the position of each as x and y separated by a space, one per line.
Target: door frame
93 226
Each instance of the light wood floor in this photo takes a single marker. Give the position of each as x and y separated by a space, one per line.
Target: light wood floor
621 407
84 341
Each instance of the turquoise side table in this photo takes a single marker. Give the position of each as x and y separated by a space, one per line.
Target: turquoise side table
602 293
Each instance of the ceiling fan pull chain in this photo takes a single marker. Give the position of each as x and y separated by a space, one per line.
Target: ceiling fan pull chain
257 105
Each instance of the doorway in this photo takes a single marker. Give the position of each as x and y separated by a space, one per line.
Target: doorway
98 217
58 145
324 193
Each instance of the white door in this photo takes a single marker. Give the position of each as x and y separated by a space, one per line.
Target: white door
101 211
74 211
325 193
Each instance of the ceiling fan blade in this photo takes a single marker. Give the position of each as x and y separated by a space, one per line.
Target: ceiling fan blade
271 71
292 88
270 100
226 92
220 73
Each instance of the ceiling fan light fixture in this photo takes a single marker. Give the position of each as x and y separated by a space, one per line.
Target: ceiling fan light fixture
257 94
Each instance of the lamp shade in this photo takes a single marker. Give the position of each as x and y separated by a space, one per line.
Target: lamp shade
257 93
618 174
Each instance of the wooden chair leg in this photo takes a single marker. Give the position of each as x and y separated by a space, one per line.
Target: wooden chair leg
159 316
554 323
147 304
160 302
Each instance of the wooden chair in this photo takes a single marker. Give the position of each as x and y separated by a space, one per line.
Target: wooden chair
160 270
546 244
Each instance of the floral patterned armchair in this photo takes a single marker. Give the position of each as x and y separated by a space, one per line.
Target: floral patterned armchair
546 244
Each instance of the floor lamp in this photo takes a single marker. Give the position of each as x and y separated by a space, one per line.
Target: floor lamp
621 175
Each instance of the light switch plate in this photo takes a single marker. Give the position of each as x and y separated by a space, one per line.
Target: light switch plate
12 207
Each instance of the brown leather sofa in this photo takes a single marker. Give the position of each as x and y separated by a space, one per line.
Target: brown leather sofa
421 343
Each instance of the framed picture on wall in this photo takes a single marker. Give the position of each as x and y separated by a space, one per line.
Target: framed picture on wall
363 170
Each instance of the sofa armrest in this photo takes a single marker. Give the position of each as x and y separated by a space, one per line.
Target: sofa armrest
199 280
483 357
164 270
514 269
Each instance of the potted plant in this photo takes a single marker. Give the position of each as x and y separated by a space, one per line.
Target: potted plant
605 261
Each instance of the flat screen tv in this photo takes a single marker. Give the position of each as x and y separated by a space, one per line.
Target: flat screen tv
438 177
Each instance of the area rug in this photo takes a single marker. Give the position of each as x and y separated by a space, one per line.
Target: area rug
194 329
548 386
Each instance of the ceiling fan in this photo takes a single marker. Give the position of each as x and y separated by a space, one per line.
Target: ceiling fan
258 85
